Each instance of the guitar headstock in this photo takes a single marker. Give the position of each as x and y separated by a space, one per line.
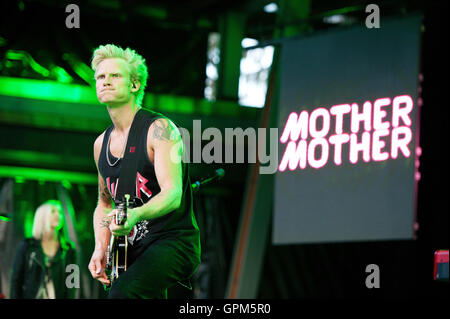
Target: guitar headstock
122 206
121 215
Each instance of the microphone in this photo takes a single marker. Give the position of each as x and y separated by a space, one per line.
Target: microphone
218 174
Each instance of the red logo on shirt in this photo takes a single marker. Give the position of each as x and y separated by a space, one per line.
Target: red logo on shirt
141 181
140 186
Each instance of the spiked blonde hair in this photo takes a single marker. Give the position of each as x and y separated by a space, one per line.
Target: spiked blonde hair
136 64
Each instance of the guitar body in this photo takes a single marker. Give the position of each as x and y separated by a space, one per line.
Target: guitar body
116 258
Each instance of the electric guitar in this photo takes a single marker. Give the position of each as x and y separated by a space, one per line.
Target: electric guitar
116 257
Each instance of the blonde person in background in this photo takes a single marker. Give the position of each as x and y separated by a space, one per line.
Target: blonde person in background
39 267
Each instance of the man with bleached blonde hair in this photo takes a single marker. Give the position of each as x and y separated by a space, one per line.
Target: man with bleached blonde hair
135 67
163 236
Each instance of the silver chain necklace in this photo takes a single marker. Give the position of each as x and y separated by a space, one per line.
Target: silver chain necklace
124 143
121 154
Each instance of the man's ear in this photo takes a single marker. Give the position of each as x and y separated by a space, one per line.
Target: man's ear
135 85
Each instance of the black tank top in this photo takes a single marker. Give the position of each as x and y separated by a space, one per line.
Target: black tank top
180 223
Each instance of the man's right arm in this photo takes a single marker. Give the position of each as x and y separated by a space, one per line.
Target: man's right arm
104 204
101 222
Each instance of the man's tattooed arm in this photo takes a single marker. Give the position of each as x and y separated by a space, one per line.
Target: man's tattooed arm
105 196
105 222
162 130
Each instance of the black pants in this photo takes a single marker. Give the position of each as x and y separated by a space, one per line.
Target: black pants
157 268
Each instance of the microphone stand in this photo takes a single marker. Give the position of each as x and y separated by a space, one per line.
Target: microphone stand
218 174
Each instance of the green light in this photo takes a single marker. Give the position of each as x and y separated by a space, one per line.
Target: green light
153 12
24 157
26 57
28 225
47 90
80 68
19 180
341 11
5 219
86 95
204 23
67 184
24 173
61 75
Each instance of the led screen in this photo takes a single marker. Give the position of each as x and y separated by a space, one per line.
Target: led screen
348 117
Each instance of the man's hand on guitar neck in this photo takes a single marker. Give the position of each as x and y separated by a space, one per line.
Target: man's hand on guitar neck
133 217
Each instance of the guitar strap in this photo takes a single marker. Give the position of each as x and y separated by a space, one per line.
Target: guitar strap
128 169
